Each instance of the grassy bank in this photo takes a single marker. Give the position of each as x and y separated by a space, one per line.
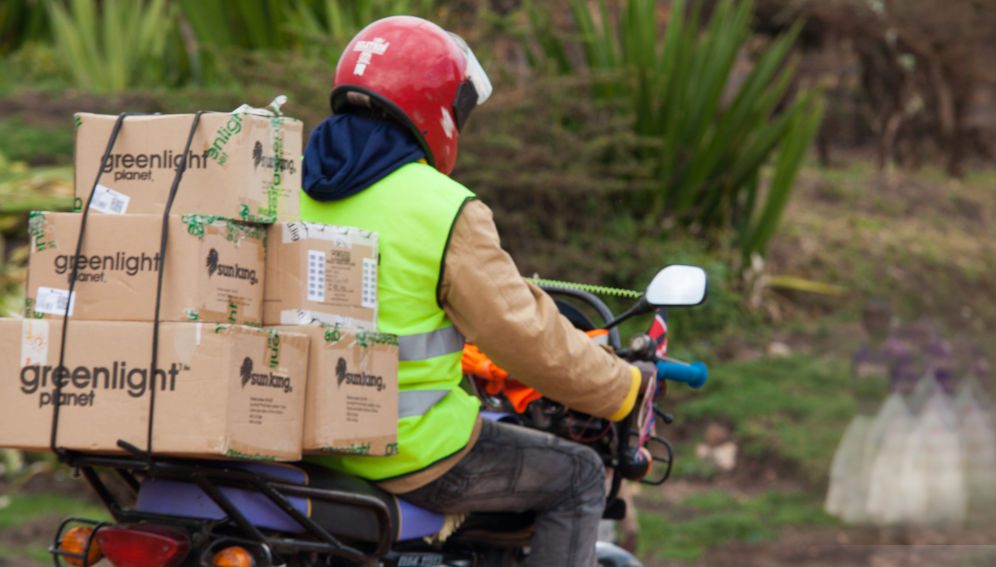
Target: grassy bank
28 521
686 530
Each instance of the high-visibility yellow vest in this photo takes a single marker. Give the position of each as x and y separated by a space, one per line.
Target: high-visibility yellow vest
413 210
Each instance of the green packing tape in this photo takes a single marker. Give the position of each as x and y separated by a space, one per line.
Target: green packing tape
596 289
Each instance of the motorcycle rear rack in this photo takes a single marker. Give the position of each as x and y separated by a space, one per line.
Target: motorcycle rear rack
130 468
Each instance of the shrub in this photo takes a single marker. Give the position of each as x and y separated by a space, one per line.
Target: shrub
712 138
123 44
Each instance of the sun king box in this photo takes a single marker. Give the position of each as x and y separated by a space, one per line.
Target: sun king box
319 272
241 165
352 400
214 268
221 390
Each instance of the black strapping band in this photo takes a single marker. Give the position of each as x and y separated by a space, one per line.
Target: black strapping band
180 169
74 266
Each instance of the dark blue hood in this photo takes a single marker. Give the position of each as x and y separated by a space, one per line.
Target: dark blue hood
348 153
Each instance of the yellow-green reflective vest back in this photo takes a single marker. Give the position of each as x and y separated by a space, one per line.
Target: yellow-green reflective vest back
412 210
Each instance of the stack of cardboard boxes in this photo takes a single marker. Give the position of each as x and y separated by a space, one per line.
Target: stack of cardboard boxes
322 281
267 341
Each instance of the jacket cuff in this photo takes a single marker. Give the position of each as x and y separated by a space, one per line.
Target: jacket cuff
630 400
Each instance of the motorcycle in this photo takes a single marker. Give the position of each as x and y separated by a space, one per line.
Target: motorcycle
170 512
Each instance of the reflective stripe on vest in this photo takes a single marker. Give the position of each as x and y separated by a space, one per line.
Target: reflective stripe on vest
412 210
422 346
413 403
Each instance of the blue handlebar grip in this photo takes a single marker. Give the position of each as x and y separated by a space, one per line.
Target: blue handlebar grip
695 374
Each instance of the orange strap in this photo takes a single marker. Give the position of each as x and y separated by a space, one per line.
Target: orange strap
496 380
520 395
476 363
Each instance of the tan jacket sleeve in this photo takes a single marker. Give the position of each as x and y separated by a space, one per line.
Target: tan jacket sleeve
519 327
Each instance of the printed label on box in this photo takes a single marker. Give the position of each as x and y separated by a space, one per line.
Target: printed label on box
322 272
369 292
316 275
53 301
107 200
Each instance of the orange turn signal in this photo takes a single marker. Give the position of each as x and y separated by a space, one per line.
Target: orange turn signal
75 542
234 556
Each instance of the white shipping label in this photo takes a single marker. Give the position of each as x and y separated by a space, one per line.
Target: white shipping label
34 342
369 292
53 301
305 317
339 236
107 200
316 275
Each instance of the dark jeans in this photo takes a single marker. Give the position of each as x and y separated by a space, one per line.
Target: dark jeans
515 469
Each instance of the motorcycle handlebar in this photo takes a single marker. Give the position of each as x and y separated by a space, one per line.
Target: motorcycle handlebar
694 375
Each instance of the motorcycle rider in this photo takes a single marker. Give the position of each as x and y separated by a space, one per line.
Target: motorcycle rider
402 91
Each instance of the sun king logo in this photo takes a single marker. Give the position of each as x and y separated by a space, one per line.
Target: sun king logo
357 378
93 267
214 266
271 162
212 262
266 380
138 167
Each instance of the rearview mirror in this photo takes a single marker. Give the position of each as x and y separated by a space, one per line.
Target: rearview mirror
676 286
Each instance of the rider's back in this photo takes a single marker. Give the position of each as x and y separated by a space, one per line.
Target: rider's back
412 209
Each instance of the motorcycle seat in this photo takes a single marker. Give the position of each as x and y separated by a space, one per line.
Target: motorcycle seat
342 520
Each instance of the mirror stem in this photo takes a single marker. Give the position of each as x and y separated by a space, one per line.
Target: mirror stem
641 306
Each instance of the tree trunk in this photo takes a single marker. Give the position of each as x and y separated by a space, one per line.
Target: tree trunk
947 116
887 141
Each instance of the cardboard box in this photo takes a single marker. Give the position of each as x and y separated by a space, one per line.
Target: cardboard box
240 166
221 390
323 273
214 268
352 401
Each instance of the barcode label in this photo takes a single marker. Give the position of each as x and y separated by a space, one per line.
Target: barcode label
107 200
316 275
369 291
53 301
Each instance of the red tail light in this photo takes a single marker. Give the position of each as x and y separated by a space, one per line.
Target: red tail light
143 545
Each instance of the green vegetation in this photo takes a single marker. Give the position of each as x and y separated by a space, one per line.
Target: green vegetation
17 509
23 190
36 144
325 26
920 240
623 135
710 140
115 45
792 410
110 49
20 21
712 157
686 530
23 509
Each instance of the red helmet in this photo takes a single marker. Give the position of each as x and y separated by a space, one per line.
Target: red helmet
411 70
